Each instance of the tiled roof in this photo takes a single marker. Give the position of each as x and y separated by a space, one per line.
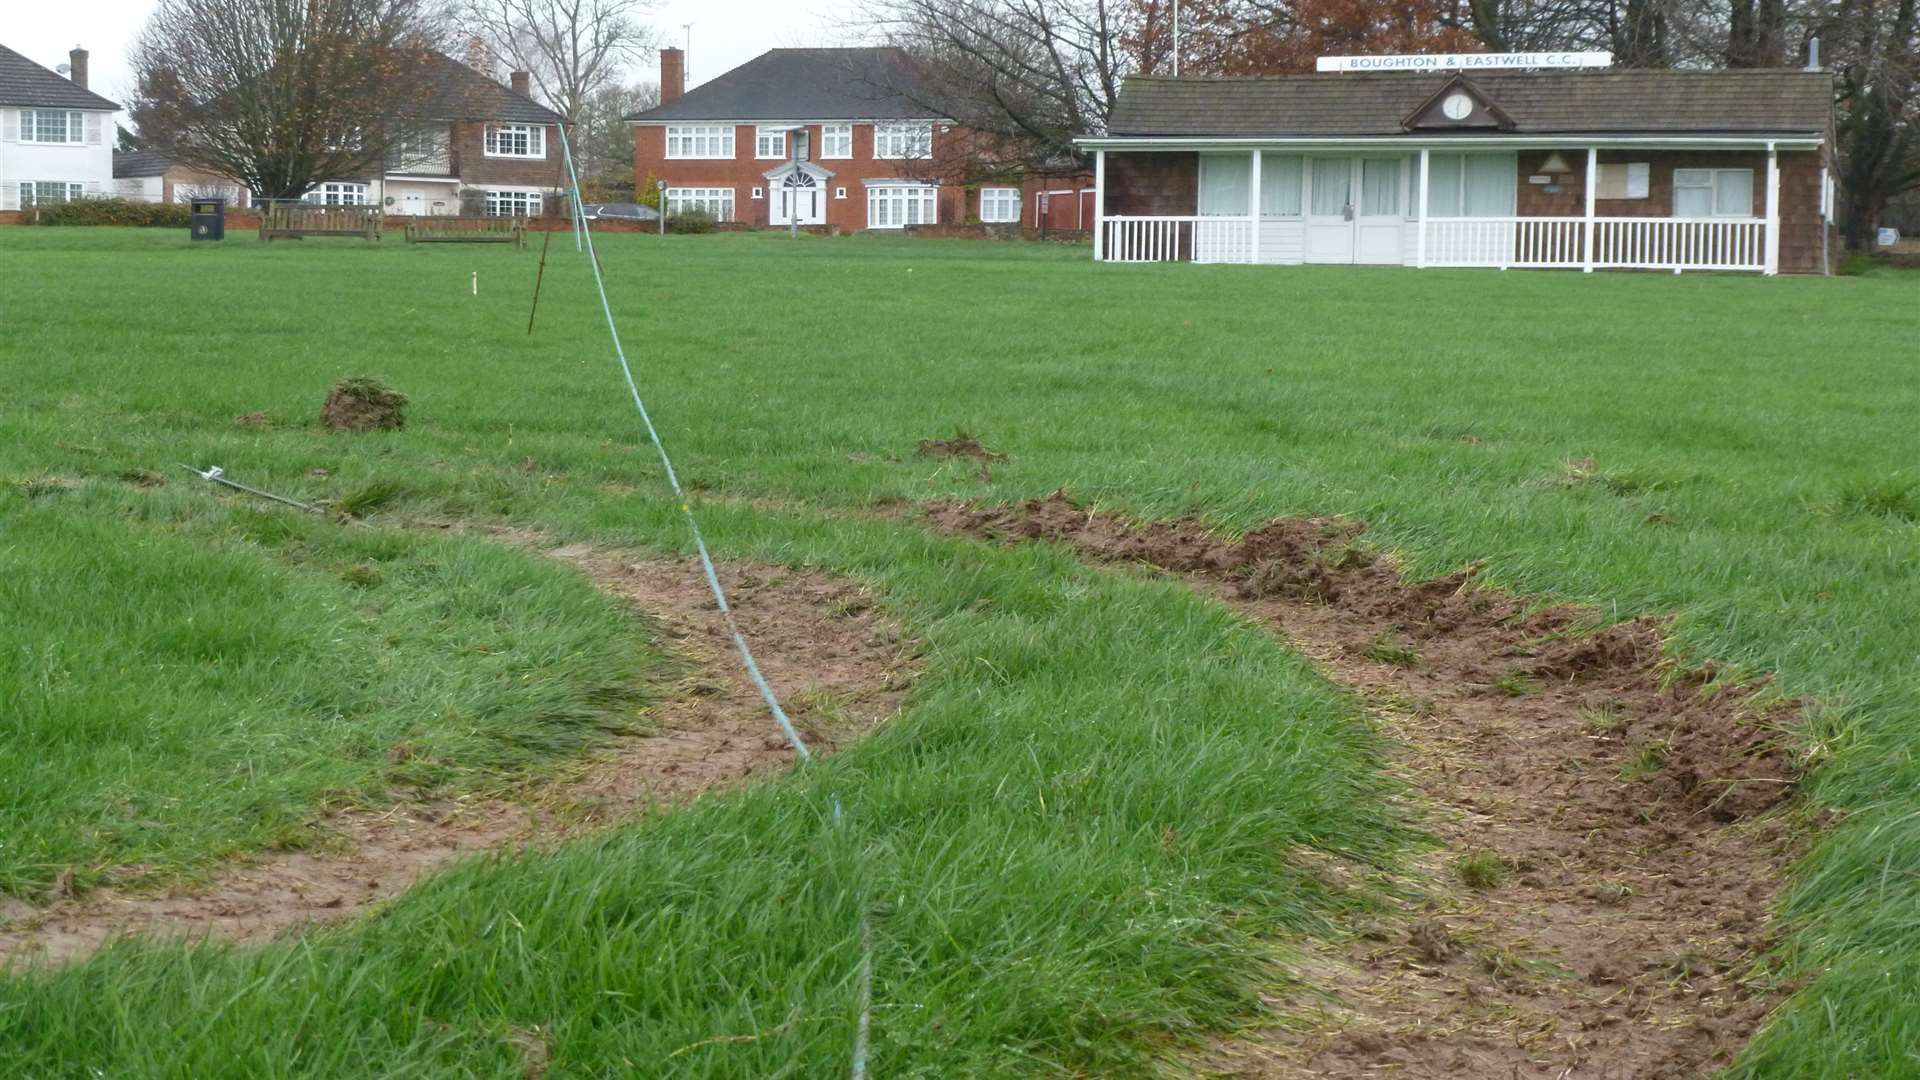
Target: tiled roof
25 84
135 163
1547 102
803 84
461 93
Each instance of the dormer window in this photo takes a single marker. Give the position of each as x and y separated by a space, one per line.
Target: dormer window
515 141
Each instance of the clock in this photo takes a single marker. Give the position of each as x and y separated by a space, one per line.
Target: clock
1457 106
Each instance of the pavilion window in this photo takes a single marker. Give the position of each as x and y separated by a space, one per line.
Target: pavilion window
1225 182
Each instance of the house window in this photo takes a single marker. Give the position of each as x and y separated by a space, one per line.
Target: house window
513 204
1471 185
836 140
770 143
51 126
759 193
516 141
895 206
1223 184
700 141
899 142
338 194
999 205
48 192
1700 193
1280 185
717 201
839 193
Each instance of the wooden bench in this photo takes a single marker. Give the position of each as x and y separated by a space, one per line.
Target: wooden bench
468 230
288 219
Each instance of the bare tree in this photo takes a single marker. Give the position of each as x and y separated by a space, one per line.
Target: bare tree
1022 76
282 94
572 48
603 140
1874 46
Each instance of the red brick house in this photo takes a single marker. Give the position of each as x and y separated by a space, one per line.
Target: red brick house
823 137
1664 170
480 148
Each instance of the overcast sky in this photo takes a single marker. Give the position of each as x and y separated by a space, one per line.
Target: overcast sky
726 33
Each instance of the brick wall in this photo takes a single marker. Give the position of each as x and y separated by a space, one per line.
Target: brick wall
469 161
743 172
1153 184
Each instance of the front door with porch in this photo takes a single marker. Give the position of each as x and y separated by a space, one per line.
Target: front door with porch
798 198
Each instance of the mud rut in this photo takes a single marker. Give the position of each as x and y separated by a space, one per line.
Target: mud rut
1619 809
842 666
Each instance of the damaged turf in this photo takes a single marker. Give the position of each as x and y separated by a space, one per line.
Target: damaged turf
841 665
1604 891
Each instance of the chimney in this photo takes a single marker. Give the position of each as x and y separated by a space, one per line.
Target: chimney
519 80
77 62
673 74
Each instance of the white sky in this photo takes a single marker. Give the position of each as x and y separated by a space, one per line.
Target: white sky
726 34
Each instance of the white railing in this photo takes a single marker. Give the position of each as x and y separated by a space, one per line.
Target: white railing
1680 243
1178 239
1618 243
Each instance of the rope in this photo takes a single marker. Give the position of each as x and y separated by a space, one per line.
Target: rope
584 234
686 508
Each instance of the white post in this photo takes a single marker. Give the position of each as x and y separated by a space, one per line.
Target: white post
1253 210
1593 180
1420 215
1176 38
1773 210
1099 204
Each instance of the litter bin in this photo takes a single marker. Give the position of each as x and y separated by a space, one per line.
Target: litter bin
207 219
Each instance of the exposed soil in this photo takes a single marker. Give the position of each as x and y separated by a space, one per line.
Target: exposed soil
840 665
252 420
363 405
961 445
1624 798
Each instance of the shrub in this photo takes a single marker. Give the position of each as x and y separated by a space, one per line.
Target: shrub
112 212
690 221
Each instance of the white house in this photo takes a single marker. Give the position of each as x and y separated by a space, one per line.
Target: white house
56 136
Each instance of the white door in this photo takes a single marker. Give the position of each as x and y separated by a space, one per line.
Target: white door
1330 210
798 198
413 203
1382 212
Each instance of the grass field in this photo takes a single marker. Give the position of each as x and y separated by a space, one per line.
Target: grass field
186 675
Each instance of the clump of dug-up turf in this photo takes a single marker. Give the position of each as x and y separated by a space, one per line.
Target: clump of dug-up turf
961 445
364 405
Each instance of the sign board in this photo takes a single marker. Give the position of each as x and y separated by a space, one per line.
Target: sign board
1464 61
1886 237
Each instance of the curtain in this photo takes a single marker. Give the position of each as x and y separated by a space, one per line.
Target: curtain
1490 183
1280 185
1733 192
1225 180
1692 193
1332 185
1443 185
1379 187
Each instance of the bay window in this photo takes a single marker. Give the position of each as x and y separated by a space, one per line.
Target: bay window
337 193
895 206
716 202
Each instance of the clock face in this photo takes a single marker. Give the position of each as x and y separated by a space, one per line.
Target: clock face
1457 106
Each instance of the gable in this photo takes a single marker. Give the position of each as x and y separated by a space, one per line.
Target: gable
25 84
1457 105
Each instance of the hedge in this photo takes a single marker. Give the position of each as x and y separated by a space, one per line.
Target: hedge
110 212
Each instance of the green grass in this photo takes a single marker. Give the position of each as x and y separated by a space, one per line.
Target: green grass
1749 445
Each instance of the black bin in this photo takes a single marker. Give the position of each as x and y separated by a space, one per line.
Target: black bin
207 219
